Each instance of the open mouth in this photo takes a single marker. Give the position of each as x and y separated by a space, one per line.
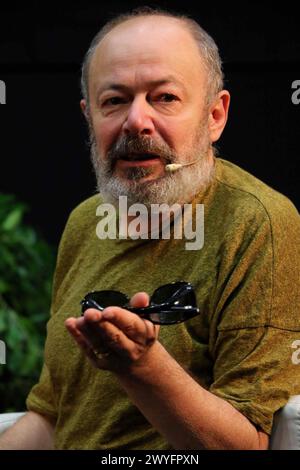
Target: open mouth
136 157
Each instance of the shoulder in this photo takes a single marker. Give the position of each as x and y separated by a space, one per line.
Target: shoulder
81 221
83 214
80 228
247 198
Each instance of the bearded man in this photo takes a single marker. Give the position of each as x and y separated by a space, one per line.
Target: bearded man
154 101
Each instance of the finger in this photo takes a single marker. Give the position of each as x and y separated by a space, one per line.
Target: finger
90 329
152 332
72 326
92 315
141 299
84 344
129 323
115 340
99 334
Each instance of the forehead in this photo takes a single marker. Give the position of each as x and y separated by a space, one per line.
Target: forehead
147 48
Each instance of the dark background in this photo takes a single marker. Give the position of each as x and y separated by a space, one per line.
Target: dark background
43 150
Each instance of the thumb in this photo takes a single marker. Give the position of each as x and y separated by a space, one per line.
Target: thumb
141 299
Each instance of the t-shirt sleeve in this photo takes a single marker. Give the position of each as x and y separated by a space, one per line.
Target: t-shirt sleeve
41 398
257 318
254 371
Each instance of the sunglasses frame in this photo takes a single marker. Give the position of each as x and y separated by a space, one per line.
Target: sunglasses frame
165 313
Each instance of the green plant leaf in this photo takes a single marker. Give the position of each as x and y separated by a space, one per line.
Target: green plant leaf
13 219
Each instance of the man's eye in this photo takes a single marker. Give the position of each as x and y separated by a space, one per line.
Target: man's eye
167 97
114 100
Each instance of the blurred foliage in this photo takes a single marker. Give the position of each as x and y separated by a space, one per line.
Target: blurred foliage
26 269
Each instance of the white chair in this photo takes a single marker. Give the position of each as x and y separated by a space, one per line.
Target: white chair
285 433
8 419
286 426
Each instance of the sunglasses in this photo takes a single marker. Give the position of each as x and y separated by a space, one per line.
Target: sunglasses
169 304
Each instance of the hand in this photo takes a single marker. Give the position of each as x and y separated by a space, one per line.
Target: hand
114 338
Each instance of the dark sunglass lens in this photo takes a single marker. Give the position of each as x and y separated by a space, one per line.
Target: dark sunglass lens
163 293
187 298
106 298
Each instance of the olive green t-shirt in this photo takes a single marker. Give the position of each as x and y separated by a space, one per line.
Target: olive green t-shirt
246 277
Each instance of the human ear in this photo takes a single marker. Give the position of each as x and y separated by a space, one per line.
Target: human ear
84 109
218 114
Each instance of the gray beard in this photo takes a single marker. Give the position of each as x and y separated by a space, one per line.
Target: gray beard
178 187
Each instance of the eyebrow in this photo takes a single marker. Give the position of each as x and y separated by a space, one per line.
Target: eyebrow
150 83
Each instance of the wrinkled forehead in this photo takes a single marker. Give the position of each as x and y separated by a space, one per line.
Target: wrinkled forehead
153 43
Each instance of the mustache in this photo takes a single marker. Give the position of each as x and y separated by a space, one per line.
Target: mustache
127 145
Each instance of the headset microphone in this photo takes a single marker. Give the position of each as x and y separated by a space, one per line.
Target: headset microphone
176 166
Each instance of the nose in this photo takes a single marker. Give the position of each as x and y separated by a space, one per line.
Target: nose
139 119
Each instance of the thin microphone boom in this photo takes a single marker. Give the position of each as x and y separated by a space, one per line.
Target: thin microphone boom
176 166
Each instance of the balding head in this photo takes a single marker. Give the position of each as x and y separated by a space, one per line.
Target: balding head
159 27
